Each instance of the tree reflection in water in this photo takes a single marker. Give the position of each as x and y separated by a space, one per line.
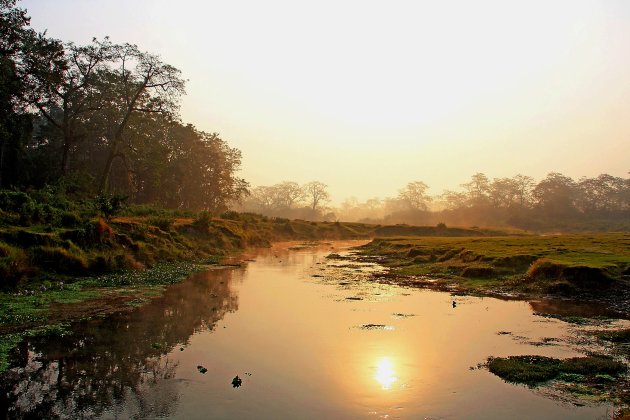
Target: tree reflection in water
120 361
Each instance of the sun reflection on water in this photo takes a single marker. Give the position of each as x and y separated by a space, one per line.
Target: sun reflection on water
385 373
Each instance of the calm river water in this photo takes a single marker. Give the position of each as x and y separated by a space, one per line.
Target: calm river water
309 337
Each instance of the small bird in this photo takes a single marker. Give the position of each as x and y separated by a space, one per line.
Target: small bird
454 304
236 382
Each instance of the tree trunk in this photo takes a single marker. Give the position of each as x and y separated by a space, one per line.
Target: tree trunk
108 167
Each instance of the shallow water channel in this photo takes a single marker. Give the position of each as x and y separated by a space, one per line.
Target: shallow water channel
309 337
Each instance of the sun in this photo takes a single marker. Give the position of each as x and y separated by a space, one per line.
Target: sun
385 373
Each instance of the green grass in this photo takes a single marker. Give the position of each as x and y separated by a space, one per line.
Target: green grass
533 370
529 263
618 336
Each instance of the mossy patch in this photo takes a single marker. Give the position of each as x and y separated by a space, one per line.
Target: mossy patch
529 370
572 265
534 370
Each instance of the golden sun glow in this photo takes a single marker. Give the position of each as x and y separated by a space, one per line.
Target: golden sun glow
413 88
385 373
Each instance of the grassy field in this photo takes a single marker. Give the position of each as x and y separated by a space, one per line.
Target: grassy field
557 264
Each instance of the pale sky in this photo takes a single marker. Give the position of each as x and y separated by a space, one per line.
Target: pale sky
369 95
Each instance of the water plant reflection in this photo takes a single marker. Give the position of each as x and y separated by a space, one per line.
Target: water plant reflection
120 361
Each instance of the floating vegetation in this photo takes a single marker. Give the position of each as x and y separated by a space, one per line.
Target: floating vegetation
589 377
376 327
237 382
400 315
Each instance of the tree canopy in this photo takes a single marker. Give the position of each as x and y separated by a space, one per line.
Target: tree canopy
104 118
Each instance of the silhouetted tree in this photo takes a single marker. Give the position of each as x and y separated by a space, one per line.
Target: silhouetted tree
317 194
414 195
555 195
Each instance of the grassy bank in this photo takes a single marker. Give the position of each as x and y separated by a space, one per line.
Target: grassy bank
566 265
66 259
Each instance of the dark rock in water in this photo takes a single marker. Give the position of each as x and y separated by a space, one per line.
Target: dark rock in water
201 369
181 349
236 382
454 304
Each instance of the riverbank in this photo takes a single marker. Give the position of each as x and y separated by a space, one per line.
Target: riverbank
55 275
592 266
580 280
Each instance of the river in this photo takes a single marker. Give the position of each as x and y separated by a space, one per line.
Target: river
309 337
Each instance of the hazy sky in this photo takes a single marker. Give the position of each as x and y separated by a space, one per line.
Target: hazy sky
366 96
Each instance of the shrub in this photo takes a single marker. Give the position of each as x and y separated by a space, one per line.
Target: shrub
544 268
525 369
101 230
68 219
27 212
163 222
107 263
202 222
58 260
230 215
13 265
109 205
12 201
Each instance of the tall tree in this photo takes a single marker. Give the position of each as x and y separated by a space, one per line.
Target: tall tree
415 196
477 189
316 193
555 195
137 82
66 92
23 54
287 194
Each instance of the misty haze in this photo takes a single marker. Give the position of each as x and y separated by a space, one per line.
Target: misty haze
346 209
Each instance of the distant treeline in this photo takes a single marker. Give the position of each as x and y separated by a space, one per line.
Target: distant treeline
103 118
557 202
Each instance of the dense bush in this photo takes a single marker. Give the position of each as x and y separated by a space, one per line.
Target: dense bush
109 205
163 222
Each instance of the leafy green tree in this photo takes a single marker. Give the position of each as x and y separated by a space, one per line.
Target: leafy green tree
66 94
136 82
23 54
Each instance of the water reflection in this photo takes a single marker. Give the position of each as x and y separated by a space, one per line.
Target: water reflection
121 361
296 350
385 373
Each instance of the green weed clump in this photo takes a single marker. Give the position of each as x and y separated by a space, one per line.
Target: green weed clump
529 370
593 365
618 336
13 265
533 370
